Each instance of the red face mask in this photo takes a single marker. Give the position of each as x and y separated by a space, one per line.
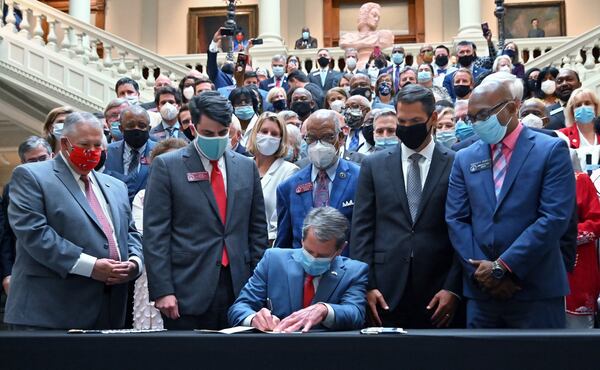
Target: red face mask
239 38
84 159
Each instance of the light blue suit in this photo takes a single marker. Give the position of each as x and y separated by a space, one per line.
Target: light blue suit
343 287
294 201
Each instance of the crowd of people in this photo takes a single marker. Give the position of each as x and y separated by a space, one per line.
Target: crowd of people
454 192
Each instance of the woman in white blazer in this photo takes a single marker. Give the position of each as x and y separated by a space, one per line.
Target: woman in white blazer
268 144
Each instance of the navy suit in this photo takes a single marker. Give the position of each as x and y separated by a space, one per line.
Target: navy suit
449 86
218 77
331 80
523 227
268 84
242 150
343 287
295 200
114 167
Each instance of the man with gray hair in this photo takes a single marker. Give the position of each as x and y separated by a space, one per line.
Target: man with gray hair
328 290
279 79
112 114
76 242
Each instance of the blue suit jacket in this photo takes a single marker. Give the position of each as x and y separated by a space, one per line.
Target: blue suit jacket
449 77
218 77
343 287
294 203
269 83
524 225
114 167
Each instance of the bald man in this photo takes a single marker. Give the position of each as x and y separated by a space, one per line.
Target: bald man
161 81
328 181
509 202
302 102
356 109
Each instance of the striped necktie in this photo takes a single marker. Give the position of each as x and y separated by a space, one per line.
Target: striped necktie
499 169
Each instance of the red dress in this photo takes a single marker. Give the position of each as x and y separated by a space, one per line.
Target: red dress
585 278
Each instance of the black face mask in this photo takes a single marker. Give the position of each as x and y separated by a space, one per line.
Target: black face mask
227 68
279 105
102 160
188 133
364 91
379 63
302 108
367 131
462 90
441 60
136 138
323 62
353 120
413 136
466 60
531 85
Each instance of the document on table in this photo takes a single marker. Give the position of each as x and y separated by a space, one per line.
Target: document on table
115 331
241 329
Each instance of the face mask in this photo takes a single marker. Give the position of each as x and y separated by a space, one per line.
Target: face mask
305 35
322 155
132 99
115 131
136 138
386 142
548 87
441 60
303 149
311 265
379 63
302 108
168 112
57 130
509 53
462 90
397 58
447 138
101 162
347 88
463 130
466 60
584 114
385 89
504 69
244 112
491 130
267 144
367 131
531 120
364 91
354 117
323 62
423 76
189 133
531 85
290 155
227 68
413 136
428 57
278 71
212 147
337 105
188 92
279 105
85 160
351 63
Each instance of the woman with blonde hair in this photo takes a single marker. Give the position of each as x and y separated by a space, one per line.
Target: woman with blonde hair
278 98
268 143
53 125
580 112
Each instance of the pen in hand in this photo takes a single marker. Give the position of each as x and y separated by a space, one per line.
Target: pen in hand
269 304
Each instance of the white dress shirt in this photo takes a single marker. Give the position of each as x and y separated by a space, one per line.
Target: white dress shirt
208 166
424 162
127 156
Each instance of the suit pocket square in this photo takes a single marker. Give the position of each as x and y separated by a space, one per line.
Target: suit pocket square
348 203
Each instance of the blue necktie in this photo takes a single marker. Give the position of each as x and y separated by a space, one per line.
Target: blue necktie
354 142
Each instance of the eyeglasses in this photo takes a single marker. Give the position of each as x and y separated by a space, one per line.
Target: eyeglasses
485 114
327 139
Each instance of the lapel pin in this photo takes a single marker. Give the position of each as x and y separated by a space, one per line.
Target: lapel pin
334 273
342 175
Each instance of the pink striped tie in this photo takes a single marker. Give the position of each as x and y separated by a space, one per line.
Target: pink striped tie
113 253
499 169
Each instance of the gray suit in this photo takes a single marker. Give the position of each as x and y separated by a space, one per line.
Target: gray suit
54 224
184 235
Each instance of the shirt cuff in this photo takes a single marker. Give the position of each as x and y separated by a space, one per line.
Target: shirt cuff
454 294
330 318
505 265
213 47
84 265
138 260
248 320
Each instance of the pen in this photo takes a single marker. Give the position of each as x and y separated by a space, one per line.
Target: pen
269 304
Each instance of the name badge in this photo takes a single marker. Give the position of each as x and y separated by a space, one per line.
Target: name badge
303 188
480 166
557 110
197 176
144 160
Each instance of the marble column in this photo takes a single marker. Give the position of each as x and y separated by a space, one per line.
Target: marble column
81 9
269 24
470 19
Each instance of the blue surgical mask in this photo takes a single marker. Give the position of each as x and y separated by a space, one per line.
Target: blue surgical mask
447 138
305 35
303 149
290 155
491 130
115 131
244 112
424 76
397 58
212 147
57 130
386 142
463 130
584 114
311 265
278 71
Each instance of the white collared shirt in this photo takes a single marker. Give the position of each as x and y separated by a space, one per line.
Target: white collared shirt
127 156
331 171
424 162
208 166
176 129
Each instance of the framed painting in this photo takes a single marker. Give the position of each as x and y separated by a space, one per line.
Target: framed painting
204 22
550 16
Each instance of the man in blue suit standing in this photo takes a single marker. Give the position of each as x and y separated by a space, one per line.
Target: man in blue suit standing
216 75
128 159
466 59
321 288
509 202
328 181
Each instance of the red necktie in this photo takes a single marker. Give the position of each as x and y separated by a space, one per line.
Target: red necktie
218 187
113 253
278 82
309 290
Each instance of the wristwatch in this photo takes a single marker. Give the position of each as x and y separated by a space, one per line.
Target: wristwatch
498 270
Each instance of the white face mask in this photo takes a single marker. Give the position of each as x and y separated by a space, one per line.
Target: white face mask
548 87
132 99
337 105
351 63
168 112
267 144
504 69
531 120
322 155
188 92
